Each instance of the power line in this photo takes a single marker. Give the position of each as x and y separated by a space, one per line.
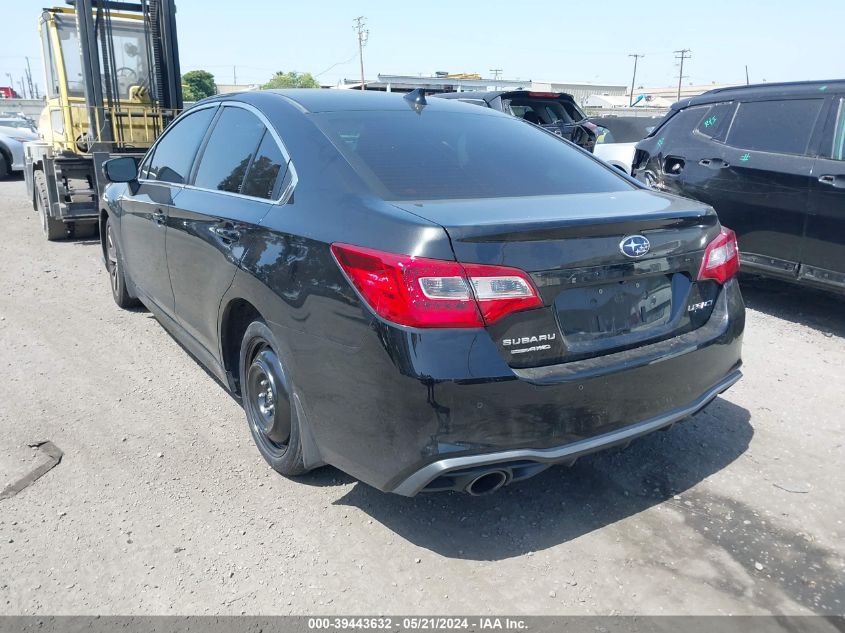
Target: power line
636 57
363 36
682 55
345 61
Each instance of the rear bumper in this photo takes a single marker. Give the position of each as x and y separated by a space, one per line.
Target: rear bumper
452 473
408 408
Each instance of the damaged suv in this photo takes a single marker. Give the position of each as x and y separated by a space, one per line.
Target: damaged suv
771 160
384 294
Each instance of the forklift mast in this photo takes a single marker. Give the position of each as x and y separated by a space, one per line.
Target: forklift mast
96 41
113 85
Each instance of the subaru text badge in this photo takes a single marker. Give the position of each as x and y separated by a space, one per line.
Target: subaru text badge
634 246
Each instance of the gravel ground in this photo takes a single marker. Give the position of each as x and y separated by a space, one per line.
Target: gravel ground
162 505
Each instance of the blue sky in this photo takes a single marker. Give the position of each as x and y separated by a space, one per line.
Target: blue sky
563 40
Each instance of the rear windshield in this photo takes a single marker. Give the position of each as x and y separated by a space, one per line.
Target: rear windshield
627 130
446 155
543 111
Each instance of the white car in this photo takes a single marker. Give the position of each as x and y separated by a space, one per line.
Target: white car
14 132
617 138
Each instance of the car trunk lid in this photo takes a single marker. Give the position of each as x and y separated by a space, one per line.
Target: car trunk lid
596 299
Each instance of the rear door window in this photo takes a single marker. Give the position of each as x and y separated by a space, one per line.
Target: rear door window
264 171
715 122
838 150
229 150
174 153
783 127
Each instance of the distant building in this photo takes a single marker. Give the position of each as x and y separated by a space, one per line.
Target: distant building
579 91
468 82
224 89
671 92
624 101
440 82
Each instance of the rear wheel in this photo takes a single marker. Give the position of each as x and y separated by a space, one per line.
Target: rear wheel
53 229
267 395
4 166
117 276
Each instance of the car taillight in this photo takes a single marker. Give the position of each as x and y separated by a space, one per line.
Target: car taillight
721 257
420 292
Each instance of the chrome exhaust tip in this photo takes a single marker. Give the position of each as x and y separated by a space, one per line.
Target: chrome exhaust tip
487 483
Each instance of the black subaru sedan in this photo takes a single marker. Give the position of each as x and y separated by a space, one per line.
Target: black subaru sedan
426 295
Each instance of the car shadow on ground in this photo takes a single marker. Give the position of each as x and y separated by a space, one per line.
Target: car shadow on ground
561 503
817 309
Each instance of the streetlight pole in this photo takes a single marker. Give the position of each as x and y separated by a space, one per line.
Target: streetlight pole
636 57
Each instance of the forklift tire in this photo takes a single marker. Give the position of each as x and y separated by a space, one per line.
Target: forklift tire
4 166
53 229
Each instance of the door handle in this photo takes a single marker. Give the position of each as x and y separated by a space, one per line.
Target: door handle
833 181
159 218
715 163
226 233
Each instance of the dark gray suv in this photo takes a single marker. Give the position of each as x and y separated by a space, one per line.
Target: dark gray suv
771 160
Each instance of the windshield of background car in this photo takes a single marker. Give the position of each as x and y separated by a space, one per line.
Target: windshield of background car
450 155
623 130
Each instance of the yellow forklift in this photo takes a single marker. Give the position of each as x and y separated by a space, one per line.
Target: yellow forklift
113 85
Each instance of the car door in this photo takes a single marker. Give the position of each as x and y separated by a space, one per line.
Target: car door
764 183
824 256
211 219
143 223
697 160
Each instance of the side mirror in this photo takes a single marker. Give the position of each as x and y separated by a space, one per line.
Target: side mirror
121 169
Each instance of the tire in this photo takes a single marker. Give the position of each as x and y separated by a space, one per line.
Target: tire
117 276
53 229
4 167
266 391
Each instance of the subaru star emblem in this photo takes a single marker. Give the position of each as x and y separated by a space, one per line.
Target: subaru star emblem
634 246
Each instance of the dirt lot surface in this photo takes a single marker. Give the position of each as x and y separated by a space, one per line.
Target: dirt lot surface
162 505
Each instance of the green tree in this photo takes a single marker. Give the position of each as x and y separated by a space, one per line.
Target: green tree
198 84
292 79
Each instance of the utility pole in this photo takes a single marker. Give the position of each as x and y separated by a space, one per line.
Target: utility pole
29 78
636 57
235 75
496 72
363 36
682 54
746 75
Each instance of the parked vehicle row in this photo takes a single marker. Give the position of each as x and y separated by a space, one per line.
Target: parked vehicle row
386 294
15 130
771 160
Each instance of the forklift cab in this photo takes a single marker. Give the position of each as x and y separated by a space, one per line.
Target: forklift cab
118 112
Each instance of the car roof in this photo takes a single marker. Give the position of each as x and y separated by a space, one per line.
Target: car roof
489 95
312 100
768 90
